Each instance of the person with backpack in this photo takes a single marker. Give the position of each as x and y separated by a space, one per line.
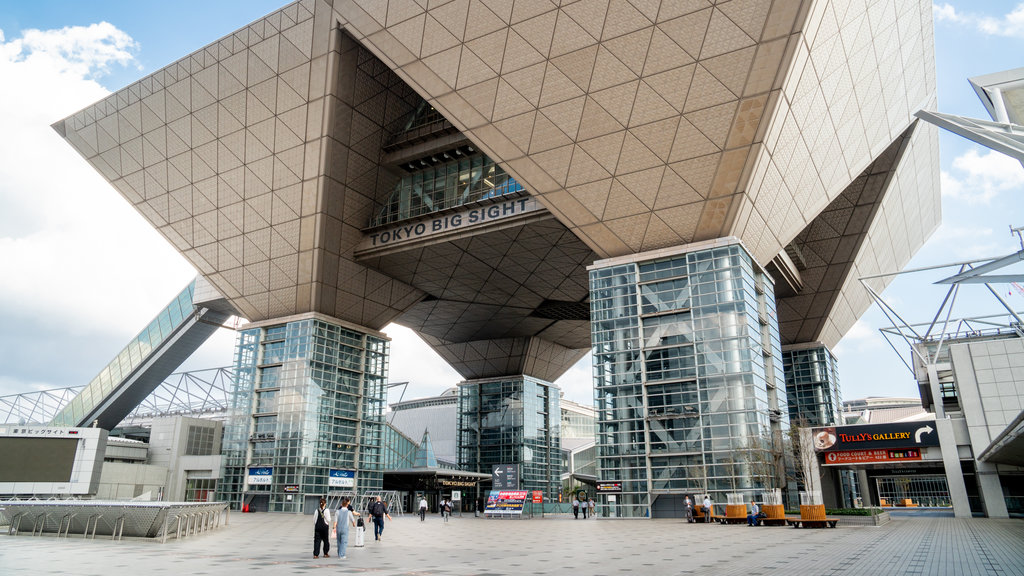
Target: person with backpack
378 511
446 509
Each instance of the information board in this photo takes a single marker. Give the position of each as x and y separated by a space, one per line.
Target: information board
505 477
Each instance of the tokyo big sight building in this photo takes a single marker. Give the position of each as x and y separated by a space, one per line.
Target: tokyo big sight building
685 188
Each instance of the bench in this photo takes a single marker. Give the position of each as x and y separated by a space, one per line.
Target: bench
805 523
776 515
812 516
734 514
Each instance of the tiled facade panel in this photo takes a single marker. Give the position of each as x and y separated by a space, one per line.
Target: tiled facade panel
225 153
858 73
632 121
910 212
366 105
213 149
639 125
536 357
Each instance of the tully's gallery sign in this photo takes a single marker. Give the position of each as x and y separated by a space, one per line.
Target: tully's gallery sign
874 436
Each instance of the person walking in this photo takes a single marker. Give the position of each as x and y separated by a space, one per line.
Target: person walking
575 508
707 508
423 508
379 511
344 519
584 507
446 509
322 530
689 510
592 505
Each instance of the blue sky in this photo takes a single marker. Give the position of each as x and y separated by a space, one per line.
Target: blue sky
82 272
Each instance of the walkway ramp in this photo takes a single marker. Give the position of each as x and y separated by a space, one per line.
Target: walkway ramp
149 358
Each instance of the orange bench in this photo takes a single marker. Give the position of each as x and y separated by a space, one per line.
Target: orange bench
698 514
734 514
812 516
775 515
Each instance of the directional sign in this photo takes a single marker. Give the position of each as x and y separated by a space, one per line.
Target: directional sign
875 436
505 477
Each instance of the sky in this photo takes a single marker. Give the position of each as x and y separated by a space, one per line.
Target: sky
81 272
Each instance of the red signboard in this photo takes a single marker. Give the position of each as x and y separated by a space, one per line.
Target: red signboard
871 456
538 497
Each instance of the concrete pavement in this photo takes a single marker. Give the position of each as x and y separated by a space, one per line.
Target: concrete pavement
282 544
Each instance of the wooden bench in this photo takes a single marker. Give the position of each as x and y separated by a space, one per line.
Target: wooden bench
734 514
698 515
804 523
775 515
812 516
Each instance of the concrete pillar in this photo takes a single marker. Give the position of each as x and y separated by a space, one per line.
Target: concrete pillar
991 490
954 473
867 493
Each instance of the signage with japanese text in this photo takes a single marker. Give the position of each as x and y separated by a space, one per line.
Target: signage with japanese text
506 501
260 476
505 477
341 479
871 456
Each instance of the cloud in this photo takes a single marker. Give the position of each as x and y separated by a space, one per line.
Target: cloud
956 243
78 51
71 283
978 178
1010 24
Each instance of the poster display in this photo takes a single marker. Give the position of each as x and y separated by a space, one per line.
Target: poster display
506 502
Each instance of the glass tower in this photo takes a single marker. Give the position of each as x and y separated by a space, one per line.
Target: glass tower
687 377
512 420
812 383
308 399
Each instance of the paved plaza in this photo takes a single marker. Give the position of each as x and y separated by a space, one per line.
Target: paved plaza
282 544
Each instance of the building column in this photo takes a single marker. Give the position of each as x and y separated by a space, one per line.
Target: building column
309 398
954 473
991 490
512 420
867 494
688 375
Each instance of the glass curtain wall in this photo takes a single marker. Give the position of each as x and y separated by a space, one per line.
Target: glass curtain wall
513 420
812 380
687 378
308 399
446 185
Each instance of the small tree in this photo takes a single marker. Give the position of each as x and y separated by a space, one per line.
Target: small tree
808 472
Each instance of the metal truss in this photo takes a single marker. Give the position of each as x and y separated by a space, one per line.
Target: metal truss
200 393
944 326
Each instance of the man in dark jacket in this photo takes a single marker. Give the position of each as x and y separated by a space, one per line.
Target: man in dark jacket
378 511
